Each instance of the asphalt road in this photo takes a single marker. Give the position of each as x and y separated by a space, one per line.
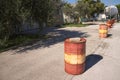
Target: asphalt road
44 60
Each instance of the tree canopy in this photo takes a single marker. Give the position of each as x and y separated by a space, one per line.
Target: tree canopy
118 6
14 12
89 7
84 9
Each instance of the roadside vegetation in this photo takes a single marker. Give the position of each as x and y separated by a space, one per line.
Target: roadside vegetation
84 9
74 25
20 40
14 13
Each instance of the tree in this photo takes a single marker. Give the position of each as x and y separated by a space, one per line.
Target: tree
9 12
68 9
99 7
14 12
118 6
37 10
87 8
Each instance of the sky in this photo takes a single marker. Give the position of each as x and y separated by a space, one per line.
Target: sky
106 2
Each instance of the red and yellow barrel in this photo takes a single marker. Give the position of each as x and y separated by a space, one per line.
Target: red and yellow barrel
110 23
103 31
74 55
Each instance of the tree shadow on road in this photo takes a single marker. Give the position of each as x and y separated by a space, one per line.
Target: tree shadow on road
57 35
91 60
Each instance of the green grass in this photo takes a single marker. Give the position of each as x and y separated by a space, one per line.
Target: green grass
74 25
21 39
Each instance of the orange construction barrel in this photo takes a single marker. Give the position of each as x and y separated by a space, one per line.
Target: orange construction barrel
74 55
112 21
109 23
103 30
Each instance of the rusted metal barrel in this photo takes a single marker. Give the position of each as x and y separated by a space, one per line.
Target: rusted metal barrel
109 24
112 21
103 30
74 55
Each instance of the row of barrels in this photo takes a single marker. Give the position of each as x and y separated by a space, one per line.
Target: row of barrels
103 28
75 50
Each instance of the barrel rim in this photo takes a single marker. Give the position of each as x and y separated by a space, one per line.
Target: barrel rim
103 24
81 40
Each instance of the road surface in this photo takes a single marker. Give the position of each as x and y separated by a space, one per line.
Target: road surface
44 60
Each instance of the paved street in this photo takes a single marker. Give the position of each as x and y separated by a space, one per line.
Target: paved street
44 60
